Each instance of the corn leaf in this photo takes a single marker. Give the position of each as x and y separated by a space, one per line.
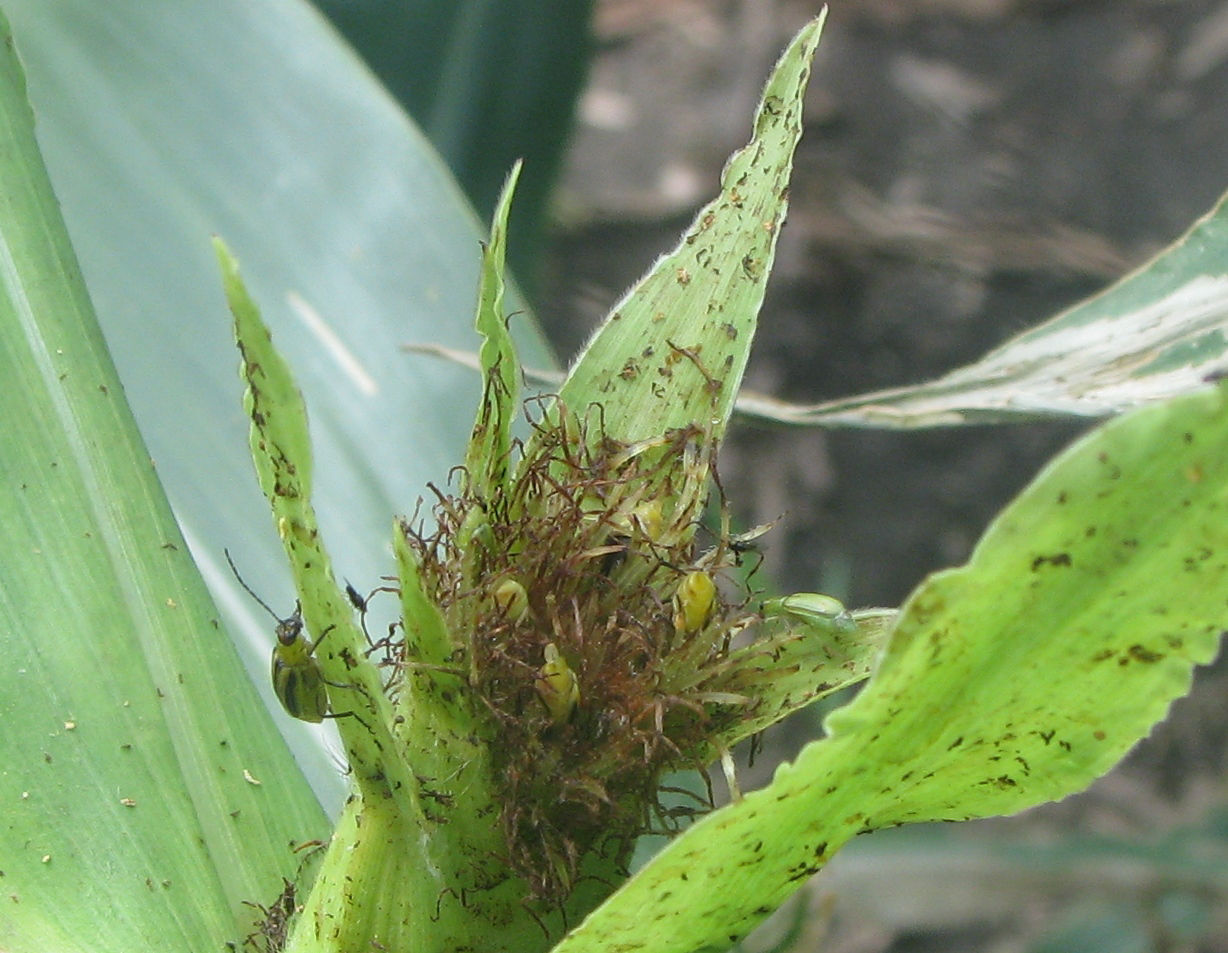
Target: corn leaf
147 794
1156 333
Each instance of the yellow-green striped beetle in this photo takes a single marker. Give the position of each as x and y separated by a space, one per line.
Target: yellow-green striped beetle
511 600
557 685
297 680
694 601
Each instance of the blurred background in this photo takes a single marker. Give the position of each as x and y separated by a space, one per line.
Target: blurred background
969 167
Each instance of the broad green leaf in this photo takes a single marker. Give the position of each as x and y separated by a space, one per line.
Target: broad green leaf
1013 680
672 351
489 83
1154 334
147 795
166 123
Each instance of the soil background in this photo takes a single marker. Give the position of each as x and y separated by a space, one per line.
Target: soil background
969 168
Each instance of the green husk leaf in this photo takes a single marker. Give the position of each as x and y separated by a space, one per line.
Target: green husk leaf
672 352
416 859
426 633
794 665
1013 680
486 461
281 451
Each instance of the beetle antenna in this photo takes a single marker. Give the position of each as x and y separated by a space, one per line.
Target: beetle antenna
249 589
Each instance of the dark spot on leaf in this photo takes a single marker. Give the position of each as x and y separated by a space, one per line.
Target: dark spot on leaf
1057 559
1141 654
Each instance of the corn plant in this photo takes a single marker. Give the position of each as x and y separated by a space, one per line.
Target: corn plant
572 627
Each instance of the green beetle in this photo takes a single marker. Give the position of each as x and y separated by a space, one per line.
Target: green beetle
557 685
813 609
511 600
694 602
297 680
